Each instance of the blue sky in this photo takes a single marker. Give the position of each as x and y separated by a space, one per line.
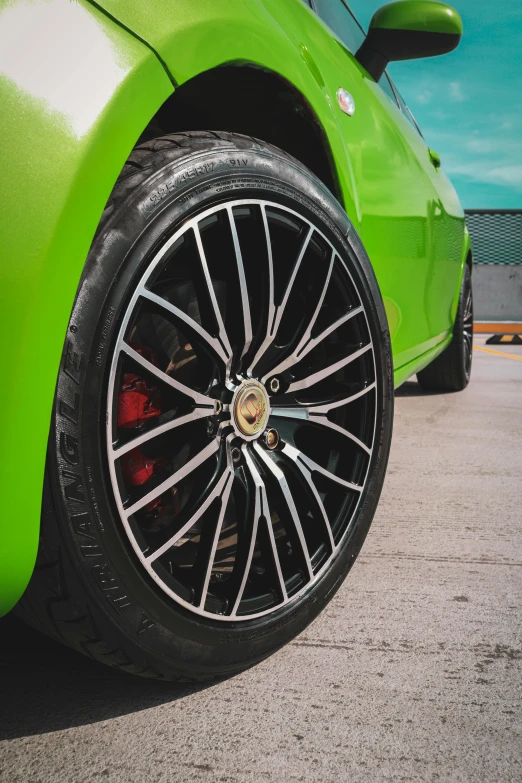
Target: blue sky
469 103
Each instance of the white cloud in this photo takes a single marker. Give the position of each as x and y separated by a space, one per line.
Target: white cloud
424 96
482 146
490 172
507 175
456 92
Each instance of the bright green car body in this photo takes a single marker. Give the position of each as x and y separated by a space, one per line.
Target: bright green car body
79 83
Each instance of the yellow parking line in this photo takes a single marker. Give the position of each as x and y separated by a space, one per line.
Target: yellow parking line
498 353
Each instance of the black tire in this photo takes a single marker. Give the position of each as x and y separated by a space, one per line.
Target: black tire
451 371
89 589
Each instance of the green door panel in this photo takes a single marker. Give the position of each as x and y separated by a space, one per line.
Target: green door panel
394 192
447 245
71 113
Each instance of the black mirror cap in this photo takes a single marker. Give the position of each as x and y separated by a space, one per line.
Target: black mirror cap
383 46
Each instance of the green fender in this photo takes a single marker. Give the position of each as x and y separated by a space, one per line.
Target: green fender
71 113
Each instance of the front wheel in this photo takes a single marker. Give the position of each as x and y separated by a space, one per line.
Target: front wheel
223 414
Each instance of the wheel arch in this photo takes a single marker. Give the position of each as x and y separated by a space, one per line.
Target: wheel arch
242 97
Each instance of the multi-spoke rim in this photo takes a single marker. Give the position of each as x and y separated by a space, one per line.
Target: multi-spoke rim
227 524
467 328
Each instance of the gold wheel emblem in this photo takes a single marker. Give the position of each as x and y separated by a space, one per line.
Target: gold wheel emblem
251 408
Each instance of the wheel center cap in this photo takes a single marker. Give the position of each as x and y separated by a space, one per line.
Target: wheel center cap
250 408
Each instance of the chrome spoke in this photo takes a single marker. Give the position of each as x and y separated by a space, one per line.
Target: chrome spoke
195 415
468 308
225 495
261 508
191 465
306 414
323 421
306 343
215 493
253 534
319 409
309 343
294 454
306 411
292 359
315 467
245 304
199 399
213 343
279 310
285 489
223 337
271 303
320 375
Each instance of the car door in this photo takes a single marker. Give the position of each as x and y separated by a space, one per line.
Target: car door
446 238
395 198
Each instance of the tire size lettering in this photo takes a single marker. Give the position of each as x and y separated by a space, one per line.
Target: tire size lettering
105 333
192 173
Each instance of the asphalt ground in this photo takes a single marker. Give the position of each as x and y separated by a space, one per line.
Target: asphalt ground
413 673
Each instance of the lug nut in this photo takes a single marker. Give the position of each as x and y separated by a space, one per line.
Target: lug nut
236 454
271 438
274 385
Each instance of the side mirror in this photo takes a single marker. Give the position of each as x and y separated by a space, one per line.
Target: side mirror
407 30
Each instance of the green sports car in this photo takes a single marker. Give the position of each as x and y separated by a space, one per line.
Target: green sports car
224 242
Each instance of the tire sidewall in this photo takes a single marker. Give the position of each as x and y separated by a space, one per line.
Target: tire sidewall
98 548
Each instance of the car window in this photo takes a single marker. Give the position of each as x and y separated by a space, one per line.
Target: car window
341 21
405 109
386 85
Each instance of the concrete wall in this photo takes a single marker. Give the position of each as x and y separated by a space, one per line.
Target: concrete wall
497 292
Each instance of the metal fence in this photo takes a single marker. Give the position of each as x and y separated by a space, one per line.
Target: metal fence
496 235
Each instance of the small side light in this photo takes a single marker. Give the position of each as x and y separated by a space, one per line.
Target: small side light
346 102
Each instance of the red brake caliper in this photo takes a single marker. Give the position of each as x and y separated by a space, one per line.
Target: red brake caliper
138 402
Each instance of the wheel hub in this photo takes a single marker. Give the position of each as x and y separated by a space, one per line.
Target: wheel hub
250 409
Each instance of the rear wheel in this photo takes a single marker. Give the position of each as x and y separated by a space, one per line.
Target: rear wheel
223 415
451 371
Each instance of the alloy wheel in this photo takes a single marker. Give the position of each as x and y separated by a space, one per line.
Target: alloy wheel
241 410
467 328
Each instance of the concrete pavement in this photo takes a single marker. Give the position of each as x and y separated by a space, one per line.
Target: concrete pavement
413 673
